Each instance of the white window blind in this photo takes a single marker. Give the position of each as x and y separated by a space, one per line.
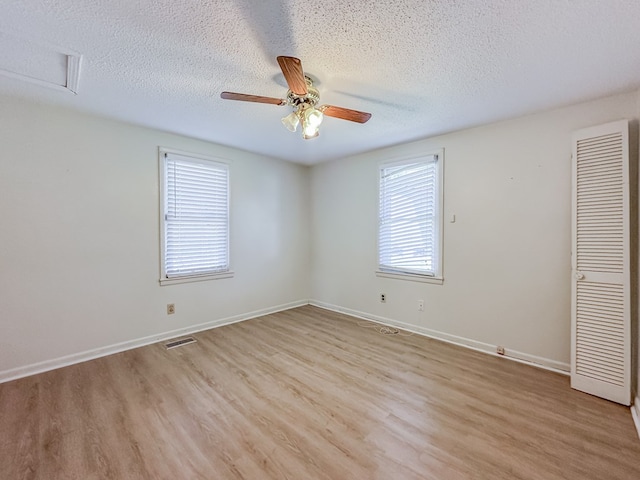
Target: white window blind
196 217
409 222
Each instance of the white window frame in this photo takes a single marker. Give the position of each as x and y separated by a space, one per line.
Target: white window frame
437 277
163 154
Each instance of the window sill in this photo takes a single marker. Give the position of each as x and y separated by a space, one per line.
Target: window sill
411 277
196 278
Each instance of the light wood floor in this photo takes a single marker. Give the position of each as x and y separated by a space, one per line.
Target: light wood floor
309 394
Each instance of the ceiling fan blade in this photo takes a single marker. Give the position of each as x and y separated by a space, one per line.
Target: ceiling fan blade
345 113
292 70
251 98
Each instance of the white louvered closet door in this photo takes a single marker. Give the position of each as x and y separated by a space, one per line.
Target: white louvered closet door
601 322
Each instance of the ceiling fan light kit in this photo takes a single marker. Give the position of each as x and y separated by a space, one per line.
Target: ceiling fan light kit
304 112
303 97
291 121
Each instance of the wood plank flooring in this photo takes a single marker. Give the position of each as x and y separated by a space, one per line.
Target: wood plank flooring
309 394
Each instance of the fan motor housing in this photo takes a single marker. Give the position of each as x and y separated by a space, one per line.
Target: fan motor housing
311 98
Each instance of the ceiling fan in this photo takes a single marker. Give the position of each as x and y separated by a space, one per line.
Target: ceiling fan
303 97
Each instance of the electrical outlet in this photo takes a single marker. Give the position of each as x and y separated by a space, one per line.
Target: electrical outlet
421 305
171 308
500 350
383 298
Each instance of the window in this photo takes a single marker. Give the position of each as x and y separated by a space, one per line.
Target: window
410 218
194 217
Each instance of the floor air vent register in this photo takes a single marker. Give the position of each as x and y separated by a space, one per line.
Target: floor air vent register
179 343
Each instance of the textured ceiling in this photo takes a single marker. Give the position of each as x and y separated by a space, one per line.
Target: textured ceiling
420 67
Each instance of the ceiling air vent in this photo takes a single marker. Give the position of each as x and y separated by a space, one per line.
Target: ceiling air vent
38 63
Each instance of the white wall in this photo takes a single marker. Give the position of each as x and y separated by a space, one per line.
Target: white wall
79 248
506 257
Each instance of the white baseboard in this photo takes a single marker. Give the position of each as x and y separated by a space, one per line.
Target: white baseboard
40 367
545 363
27 370
635 413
